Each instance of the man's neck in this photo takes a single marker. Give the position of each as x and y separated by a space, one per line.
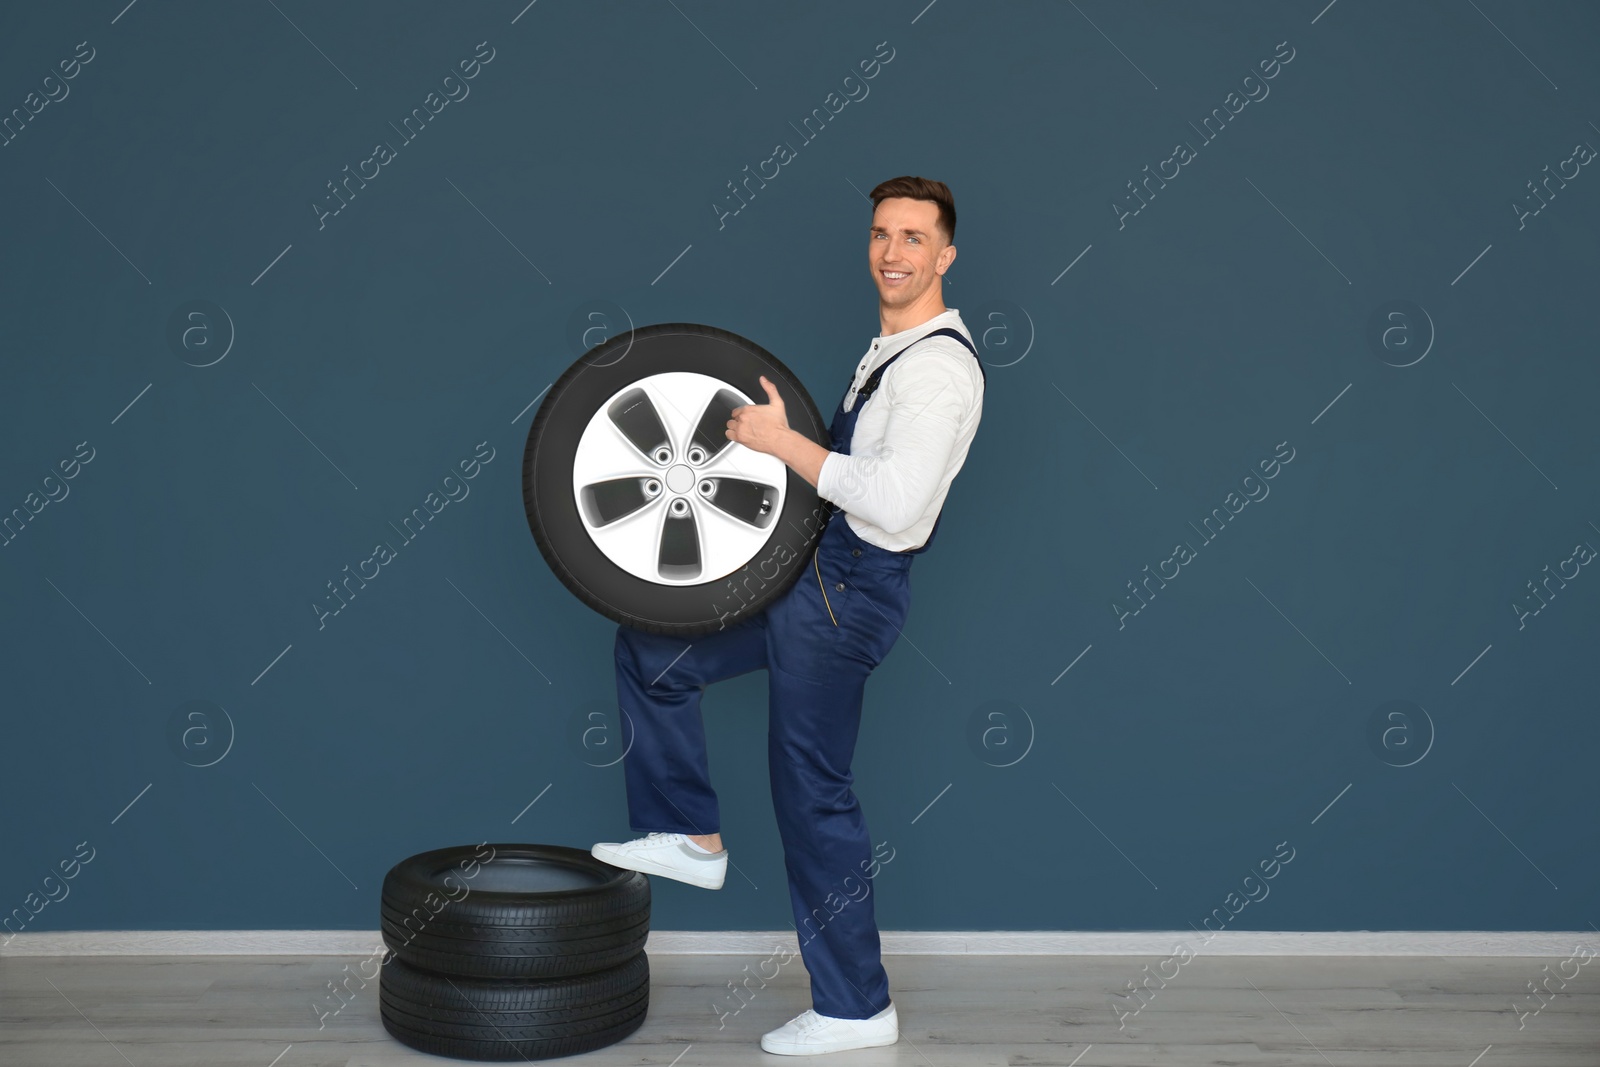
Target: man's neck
895 320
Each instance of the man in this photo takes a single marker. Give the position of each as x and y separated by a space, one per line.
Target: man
900 435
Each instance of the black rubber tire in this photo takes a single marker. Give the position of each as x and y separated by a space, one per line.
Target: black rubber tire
680 610
507 921
532 957
511 1019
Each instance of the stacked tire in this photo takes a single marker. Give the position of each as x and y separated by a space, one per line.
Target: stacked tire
513 952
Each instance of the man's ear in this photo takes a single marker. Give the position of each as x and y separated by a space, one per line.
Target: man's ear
949 257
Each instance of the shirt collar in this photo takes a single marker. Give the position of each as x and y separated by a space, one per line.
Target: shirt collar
947 317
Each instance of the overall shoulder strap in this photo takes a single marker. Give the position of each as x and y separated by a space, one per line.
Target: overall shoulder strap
951 331
948 331
871 383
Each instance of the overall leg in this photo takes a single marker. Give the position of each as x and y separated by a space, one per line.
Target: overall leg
660 681
827 850
823 643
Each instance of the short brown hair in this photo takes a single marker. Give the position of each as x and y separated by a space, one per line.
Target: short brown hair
921 189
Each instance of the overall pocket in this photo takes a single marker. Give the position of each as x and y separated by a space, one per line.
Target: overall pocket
869 604
833 570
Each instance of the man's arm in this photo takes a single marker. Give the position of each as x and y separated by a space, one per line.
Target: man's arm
803 454
893 486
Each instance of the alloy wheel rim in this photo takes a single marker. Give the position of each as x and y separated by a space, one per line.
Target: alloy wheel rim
661 490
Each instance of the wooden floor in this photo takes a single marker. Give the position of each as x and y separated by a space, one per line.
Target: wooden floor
955 1011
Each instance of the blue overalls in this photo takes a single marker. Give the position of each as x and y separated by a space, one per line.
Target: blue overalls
818 642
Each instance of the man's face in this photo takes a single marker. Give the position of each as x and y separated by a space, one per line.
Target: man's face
906 249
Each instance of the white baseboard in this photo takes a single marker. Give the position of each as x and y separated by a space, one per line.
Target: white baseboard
1540 943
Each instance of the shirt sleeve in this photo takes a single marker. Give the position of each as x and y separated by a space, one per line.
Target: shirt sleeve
894 484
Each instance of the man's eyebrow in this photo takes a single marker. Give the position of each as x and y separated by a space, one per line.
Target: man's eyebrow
903 229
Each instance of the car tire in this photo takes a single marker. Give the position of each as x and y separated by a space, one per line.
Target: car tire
526 911
639 502
507 1019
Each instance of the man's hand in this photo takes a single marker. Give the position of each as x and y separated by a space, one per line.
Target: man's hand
762 427
765 428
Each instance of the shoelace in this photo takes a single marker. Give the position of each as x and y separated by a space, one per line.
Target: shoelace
810 1020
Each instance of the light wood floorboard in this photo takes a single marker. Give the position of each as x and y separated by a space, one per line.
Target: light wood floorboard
955 1011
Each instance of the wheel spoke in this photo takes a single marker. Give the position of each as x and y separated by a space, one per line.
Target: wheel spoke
749 502
679 557
711 433
634 414
606 502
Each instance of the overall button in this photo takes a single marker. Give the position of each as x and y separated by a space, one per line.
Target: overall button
855 552
840 587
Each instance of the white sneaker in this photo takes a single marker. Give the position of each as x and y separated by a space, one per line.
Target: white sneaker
809 1033
669 855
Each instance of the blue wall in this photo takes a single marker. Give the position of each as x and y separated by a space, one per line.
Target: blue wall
1334 287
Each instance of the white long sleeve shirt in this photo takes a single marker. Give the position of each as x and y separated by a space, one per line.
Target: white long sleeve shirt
911 439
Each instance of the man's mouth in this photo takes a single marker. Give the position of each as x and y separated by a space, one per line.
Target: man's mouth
894 277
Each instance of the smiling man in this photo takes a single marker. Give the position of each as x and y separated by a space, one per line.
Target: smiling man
899 437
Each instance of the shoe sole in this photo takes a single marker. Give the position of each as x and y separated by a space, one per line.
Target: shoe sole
647 866
811 1050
